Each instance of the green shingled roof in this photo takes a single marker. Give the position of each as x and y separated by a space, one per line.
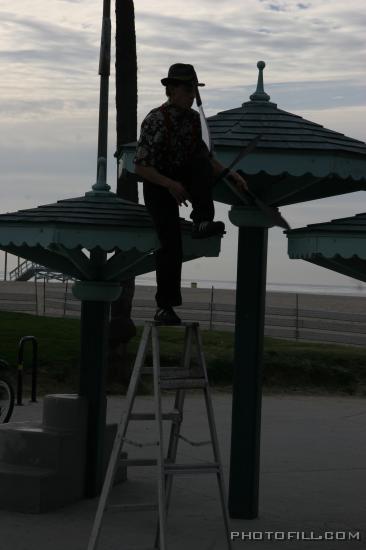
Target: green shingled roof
55 235
296 160
339 245
355 223
279 129
86 210
104 221
89 221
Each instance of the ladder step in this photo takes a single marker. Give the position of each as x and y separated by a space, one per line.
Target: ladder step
138 462
172 469
179 384
175 372
193 375
182 324
187 469
147 506
174 416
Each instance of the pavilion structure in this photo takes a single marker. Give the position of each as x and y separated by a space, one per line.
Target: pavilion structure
99 240
295 161
338 245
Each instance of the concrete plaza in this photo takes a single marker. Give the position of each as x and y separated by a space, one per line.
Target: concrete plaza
313 479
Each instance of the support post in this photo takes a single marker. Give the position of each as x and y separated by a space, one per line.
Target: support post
96 298
5 266
94 323
247 381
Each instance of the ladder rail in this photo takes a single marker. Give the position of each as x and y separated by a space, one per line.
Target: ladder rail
159 429
118 442
214 438
172 454
176 427
179 405
166 468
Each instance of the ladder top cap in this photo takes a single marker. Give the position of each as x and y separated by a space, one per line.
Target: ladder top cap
182 324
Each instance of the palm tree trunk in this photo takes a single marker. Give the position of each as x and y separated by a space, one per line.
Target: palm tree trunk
122 328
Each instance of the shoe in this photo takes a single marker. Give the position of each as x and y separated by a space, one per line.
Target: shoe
203 230
167 316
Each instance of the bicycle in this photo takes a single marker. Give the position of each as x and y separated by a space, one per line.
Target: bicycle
7 396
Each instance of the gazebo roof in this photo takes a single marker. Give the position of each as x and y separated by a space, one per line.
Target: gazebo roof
279 129
87 222
56 234
339 245
296 160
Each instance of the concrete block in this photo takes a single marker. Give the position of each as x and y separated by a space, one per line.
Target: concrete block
29 444
21 487
42 465
64 412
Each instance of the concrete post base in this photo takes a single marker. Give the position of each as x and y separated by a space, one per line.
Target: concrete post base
42 465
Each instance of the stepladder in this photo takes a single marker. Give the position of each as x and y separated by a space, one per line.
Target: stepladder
188 373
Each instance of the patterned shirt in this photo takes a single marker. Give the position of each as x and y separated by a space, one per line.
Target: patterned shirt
169 137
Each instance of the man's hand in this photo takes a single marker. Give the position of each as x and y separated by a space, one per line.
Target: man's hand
240 182
179 193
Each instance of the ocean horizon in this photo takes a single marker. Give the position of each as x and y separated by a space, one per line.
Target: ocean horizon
358 289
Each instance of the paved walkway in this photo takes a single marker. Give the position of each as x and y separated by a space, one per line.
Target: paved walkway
313 479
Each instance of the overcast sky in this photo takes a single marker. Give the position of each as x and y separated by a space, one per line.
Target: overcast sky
315 56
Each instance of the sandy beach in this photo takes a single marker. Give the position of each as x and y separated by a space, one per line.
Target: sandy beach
326 302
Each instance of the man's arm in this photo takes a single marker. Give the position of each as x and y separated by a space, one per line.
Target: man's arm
152 175
217 166
234 176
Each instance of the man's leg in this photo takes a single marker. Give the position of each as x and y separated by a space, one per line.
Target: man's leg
164 211
198 179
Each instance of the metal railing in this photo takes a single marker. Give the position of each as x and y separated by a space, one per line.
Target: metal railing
288 321
27 269
24 271
21 346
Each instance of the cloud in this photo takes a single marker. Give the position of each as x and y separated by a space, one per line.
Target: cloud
49 98
51 43
276 7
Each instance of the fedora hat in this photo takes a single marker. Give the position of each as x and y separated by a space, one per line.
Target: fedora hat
181 73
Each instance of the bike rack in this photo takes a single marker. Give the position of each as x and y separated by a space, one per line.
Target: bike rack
5 381
21 345
4 364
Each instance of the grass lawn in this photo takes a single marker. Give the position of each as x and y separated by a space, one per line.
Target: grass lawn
288 365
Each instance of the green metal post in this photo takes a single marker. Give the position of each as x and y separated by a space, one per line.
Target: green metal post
247 382
94 326
5 265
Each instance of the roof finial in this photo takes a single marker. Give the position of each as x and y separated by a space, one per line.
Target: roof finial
260 94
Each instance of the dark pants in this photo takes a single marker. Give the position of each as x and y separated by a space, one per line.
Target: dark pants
197 178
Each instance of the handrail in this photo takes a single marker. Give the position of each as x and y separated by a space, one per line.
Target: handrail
27 265
21 344
36 269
